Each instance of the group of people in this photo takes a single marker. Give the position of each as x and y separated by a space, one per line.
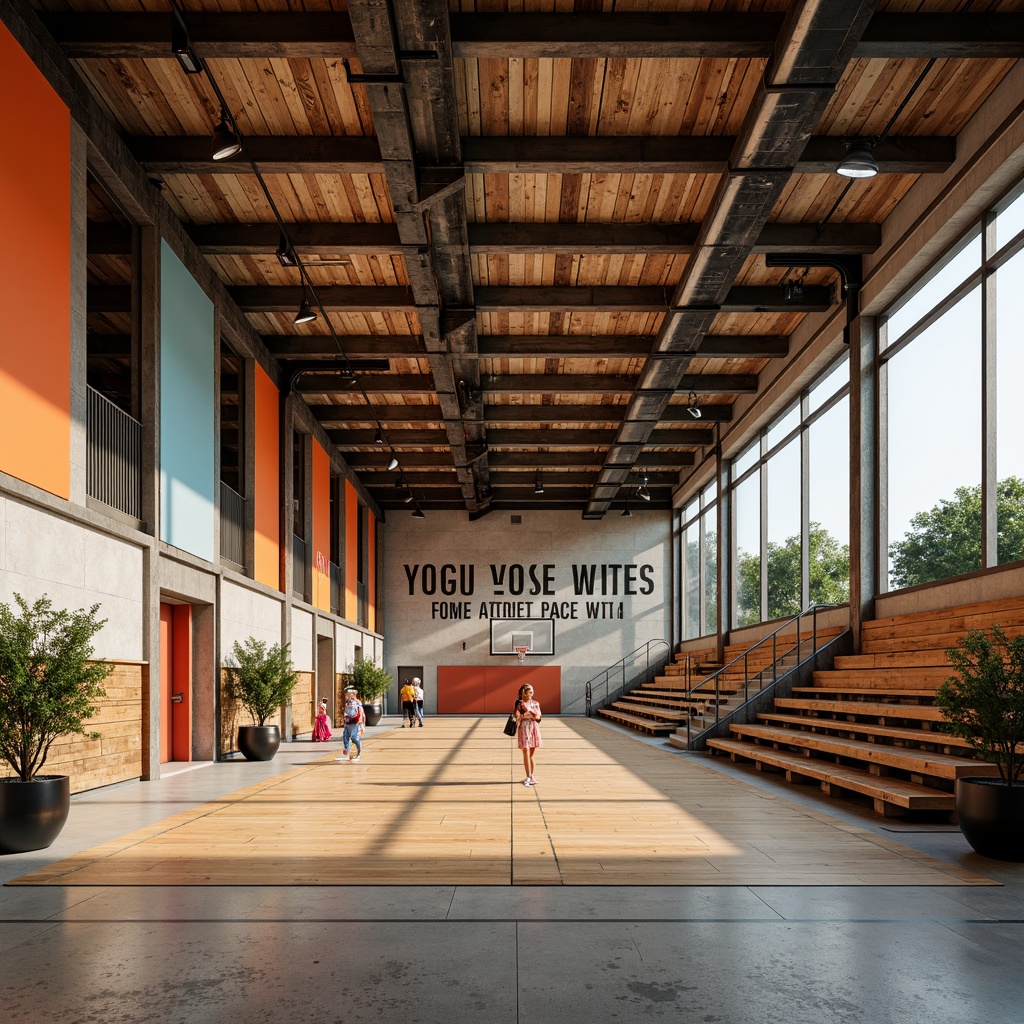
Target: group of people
355 724
527 713
412 702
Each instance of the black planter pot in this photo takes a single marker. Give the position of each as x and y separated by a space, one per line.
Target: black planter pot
33 813
259 742
991 816
373 713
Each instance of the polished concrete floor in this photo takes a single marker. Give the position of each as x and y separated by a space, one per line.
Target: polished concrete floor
452 953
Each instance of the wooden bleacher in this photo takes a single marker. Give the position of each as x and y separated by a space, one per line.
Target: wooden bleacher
869 725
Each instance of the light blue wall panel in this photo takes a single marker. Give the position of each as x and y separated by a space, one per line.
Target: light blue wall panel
187 414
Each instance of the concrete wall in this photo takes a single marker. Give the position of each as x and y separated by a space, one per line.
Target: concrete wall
592 630
44 553
246 612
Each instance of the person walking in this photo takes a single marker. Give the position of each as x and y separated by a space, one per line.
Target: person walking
322 729
408 696
417 687
352 737
528 733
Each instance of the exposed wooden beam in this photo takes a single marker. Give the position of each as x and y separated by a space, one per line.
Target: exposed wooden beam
374 384
593 414
335 298
328 35
364 346
306 239
597 239
344 416
371 462
610 384
619 154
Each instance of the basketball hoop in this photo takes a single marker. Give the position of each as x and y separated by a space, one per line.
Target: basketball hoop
521 653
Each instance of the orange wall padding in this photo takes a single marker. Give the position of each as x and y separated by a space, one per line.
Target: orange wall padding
492 689
351 553
267 497
35 275
321 528
371 577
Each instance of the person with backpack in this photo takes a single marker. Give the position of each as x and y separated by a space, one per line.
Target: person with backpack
355 719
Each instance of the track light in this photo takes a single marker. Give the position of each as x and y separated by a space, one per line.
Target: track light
378 438
305 314
285 253
393 461
859 162
190 61
538 485
226 143
642 492
418 514
693 405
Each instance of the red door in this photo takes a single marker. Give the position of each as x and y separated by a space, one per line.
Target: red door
175 703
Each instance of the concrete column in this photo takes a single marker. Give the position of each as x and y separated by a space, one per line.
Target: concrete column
247 432
866 545
79 311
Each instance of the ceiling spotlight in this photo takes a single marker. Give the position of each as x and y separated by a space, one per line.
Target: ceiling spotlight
642 492
407 500
181 46
693 406
626 511
471 394
305 314
285 253
378 438
418 514
226 143
349 380
393 461
859 162
538 485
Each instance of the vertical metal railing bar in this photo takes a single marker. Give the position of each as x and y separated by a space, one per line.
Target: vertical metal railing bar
232 525
113 455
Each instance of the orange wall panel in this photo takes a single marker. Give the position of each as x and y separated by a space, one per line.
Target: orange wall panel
351 553
321 528
267 497
492 689
35 275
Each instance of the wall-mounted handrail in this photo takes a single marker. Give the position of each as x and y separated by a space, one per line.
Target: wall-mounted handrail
603 679
715 678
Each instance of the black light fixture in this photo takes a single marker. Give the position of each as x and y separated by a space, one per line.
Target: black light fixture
642 492
793 291
285 253
226 143
407 500
626 511
378 438
693 405
469 392
190 61
418 514
859 161
538 484
349 380
393 461
305 314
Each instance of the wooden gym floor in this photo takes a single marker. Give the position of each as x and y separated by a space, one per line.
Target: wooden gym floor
444 805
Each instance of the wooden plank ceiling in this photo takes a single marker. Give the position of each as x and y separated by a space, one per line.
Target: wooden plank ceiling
533 236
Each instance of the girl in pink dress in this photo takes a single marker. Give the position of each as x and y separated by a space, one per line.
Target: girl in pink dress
528 734
322 729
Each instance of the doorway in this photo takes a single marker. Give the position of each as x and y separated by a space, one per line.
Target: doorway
325 676
175 699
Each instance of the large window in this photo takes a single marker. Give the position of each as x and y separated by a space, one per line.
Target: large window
790 507
700 564
953 419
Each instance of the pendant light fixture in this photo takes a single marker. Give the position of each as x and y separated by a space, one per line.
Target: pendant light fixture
226 143
305 315
538 484
859 162
693 406
393 461
418 514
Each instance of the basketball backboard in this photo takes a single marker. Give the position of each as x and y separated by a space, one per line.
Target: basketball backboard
537 635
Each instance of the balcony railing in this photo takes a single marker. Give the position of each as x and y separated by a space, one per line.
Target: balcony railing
114 458
299 556
337 585
232 525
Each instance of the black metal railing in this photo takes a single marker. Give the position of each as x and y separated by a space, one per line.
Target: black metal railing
637 667
757 683
113 471
232 525
299 555
337 586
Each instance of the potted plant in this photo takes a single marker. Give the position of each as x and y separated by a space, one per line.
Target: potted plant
48 688
261 679
372 682
983 704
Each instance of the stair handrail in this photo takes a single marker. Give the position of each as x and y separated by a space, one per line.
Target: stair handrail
715 676
621 665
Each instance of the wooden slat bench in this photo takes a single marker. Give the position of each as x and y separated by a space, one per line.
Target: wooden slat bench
644 724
